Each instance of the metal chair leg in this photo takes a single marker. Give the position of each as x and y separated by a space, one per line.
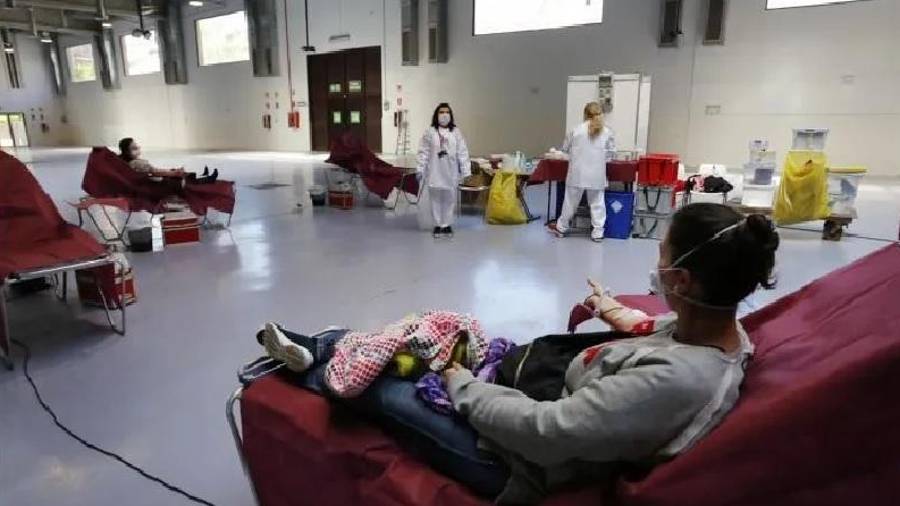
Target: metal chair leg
236 435
62 285
105 301
4 331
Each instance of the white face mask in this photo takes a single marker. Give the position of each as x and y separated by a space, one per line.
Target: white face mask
657 288
443 119
656 284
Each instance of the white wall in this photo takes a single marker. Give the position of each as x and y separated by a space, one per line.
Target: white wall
836 67
777 70
36 94
220 108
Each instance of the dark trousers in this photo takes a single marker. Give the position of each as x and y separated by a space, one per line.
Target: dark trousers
447 443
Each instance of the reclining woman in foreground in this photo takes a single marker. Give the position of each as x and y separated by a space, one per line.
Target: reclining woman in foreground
637 400
130 152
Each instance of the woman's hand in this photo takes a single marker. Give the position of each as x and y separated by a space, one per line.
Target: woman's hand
596 287
594 302
452 371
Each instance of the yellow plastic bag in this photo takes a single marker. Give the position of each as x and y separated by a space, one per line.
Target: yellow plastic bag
803 192
503 206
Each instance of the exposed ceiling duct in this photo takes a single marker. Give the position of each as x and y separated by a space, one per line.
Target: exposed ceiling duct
74 17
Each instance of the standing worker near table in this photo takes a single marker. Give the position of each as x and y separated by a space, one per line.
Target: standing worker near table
443 161
589 145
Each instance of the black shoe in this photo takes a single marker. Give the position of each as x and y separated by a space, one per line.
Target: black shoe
205 170
447 231
436 232
212 177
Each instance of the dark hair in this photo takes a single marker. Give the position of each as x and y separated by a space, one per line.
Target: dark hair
125 149
732 266
434 117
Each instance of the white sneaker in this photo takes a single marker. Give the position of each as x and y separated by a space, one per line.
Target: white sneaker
279 347
553 228
597 235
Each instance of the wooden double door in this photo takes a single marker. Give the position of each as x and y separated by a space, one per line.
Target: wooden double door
345 94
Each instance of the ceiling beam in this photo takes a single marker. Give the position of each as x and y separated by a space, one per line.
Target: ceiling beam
27 27
75 7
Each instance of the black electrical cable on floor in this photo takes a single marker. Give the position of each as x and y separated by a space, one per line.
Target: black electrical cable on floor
92 446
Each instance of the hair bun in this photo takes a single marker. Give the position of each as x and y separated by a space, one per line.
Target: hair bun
763 231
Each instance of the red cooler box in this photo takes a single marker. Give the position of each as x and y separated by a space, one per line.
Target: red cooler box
658 169
341 200
180 227
89 292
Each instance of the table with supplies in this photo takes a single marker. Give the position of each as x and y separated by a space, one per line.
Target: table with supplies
479 183
556 170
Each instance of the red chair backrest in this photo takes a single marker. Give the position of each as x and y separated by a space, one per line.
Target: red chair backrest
107 175
27 214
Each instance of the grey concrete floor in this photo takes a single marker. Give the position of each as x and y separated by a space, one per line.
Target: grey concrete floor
157 395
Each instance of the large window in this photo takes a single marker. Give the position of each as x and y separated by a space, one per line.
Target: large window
81 63
501 16
784 4
141 55
223 39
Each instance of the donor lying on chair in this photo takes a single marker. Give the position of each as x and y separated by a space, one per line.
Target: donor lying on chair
575 407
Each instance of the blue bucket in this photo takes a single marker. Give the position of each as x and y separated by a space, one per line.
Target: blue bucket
619 214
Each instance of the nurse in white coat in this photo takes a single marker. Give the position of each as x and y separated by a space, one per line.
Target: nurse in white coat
589 145
443 161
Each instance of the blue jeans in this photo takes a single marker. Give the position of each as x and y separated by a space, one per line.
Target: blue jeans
447 443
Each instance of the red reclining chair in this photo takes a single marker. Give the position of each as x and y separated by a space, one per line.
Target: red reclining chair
36 242
110 181
350 153
816 424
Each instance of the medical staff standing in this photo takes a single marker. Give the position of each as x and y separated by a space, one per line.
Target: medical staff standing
443 161
589 145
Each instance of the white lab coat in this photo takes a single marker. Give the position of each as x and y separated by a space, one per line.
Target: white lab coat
588 157
443 172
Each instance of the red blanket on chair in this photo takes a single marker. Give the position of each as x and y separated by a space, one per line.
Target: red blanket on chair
816 423
107 175
32 232
350 153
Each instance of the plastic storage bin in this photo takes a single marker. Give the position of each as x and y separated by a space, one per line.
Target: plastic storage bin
318 195
760 153
759 195
141 239
810 139
658 169
619 214
651 226
843 186
759 173
655 199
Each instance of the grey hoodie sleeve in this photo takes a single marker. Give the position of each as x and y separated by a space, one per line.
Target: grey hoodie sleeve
625 416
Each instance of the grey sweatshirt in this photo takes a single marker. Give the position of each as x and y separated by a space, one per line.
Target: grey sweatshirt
639 400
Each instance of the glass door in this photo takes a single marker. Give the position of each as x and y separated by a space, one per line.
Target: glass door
19 132
13 133
6 138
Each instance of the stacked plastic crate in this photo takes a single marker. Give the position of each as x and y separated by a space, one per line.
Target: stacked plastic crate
760 179
655 199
